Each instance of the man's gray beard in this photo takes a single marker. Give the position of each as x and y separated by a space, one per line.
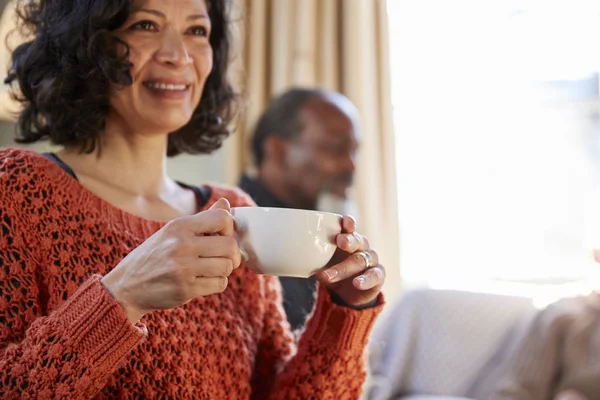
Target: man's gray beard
329 202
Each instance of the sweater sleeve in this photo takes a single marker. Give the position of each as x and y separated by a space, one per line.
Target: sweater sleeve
69 352
329 361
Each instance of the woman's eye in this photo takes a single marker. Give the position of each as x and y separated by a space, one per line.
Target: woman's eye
199 31
144 26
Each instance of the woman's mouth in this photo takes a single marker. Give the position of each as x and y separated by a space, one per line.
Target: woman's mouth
167 90
165 86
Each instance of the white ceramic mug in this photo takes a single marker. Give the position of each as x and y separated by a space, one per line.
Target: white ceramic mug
286 242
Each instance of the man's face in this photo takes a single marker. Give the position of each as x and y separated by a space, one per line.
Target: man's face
322 157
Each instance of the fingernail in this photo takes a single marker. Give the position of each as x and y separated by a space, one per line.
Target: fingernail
351 240
331 274
352 219
237 225
361 280
245 255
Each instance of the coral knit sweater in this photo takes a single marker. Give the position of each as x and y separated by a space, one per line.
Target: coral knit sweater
63 336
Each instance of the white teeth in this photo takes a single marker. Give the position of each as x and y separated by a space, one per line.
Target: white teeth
165 86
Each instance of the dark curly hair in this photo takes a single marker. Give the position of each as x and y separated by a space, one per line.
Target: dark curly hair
65 71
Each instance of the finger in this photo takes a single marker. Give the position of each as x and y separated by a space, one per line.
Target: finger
348 224
208 286
245 254
349 268
215 220
219 246
212 267
239 231
237 223
371 278
222 204
352 242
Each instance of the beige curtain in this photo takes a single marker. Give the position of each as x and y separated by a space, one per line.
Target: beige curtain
341 45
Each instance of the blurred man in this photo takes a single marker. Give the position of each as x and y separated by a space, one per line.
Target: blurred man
304 148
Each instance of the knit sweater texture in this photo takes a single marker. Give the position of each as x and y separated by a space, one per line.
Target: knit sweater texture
62 335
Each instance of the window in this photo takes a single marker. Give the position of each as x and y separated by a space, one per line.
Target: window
495 108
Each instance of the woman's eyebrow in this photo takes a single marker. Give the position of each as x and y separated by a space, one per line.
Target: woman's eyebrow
163 16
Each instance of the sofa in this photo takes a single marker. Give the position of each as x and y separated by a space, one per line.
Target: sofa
435 344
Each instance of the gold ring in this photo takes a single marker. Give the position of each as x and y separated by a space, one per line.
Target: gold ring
367 257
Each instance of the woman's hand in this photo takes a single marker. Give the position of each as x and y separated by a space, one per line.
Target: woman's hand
354 273
189 257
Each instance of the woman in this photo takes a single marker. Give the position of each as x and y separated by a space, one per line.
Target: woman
118 282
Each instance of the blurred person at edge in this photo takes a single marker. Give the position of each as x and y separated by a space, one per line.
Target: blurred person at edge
558 356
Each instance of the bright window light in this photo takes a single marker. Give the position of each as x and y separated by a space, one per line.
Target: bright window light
495 109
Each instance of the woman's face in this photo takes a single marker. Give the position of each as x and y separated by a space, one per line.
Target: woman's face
172 58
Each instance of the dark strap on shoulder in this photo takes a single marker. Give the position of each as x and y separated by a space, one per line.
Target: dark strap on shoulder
202 193
54 158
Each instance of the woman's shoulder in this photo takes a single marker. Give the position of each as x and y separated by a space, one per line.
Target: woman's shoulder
11 158
21 161
23 172
235 196
18 164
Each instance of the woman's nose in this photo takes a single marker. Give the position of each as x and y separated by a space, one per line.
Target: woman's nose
173 50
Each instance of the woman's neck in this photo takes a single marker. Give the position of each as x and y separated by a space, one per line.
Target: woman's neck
133 163
129 171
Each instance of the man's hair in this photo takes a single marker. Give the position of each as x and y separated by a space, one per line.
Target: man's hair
65 71
282 118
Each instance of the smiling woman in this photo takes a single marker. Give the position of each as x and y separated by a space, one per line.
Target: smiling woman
155 41
117 281
98 45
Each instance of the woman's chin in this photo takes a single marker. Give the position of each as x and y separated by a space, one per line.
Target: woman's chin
165 122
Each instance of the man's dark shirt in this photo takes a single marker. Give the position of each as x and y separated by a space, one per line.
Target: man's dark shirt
298 293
